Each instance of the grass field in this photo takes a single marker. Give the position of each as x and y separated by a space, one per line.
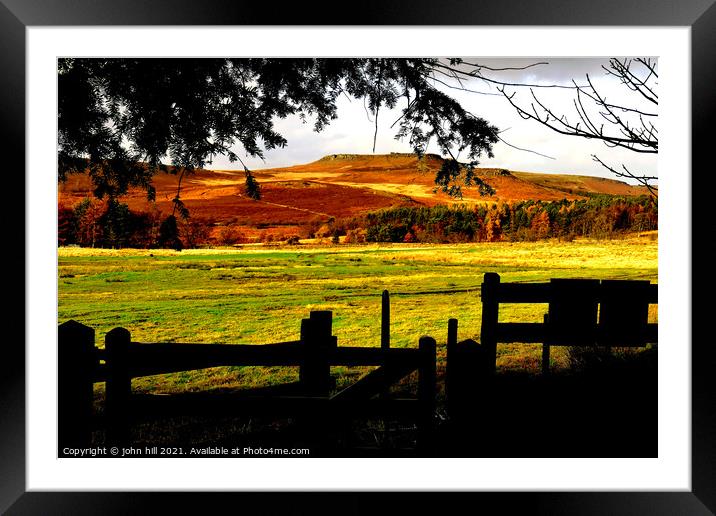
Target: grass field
259 295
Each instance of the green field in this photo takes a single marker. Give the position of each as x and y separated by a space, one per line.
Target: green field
259 295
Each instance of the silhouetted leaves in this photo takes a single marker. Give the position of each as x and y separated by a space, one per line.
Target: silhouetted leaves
253 189
451 172
124 118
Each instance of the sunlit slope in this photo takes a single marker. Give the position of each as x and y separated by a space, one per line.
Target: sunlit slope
407 175
341 185
581 184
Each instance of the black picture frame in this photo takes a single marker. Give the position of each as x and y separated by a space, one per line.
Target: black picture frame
699 15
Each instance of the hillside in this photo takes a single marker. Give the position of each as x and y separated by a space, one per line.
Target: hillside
338 186
581 185
404 174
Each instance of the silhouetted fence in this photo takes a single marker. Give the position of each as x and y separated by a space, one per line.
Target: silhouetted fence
81 364
582 313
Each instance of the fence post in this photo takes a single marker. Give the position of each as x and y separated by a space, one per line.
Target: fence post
304 369
490 309
75 374
317 341
450 359
119 384
545 351
385 321
545 359
452 331
426 390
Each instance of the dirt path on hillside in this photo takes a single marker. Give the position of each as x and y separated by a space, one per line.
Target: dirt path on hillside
293 208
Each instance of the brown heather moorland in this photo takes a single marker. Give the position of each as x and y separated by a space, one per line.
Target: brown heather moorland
338 186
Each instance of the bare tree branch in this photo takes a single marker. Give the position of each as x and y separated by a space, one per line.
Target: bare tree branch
524 150
641 179
616 125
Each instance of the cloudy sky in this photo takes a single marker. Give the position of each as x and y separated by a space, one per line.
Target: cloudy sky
353 131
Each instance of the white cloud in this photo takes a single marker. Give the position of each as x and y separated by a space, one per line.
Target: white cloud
353 131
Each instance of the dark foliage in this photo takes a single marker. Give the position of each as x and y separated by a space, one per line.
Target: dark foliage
169 234
124 118
112 224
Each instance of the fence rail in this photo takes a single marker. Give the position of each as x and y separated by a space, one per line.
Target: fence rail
536 333
581 313
544 292
81 365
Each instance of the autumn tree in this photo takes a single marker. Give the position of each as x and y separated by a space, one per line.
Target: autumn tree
88 214
169 234
540 224
65 225
492 227
116 223
194 232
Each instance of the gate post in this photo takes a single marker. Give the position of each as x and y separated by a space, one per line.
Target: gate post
545 351
75 374
426 390
490 309
317 341
385 321
119 384
452 331
451 380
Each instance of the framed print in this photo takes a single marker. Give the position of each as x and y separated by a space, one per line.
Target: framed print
383 293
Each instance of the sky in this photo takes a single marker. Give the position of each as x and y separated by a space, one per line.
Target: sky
543 150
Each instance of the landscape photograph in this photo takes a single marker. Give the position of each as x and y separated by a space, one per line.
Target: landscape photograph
357 257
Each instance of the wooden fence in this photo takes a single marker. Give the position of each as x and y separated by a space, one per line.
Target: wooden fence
81 364
581 312
606 313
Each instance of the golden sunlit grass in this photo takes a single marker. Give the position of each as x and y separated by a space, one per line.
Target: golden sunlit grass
632 252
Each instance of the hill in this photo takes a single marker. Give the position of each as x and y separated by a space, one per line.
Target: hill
339 186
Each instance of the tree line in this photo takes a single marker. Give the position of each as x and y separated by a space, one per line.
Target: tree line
111 224
599 216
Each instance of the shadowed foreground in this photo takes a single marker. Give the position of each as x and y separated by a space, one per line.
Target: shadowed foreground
604 405
608 409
